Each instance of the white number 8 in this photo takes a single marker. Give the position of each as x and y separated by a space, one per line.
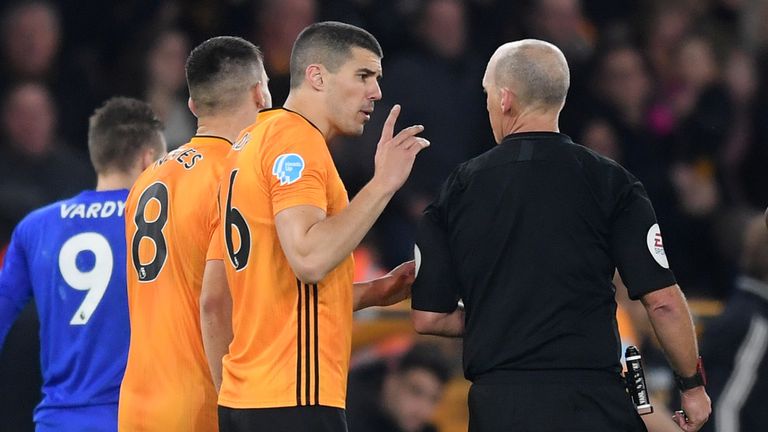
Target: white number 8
94 281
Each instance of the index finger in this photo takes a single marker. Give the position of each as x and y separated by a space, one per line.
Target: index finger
389 125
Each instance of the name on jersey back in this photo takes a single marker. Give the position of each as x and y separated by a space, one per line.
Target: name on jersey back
93 210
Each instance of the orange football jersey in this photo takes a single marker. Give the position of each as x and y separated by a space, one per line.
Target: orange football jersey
292 340
171 213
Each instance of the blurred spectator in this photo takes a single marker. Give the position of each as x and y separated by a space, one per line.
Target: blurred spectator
562 23
735 344
37 167
665 28
280 22
31 48
702 112
744 152
700 104
399 395
601 137
31 40
623 92
166 86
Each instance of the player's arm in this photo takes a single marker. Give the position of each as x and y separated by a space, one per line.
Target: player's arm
15 285
672 323
315 243
215 317
387 290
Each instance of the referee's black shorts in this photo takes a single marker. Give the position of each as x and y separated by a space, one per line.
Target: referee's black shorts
289 419
551 401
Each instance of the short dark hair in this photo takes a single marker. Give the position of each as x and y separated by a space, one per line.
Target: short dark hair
328 43
220 69
425 356
119 130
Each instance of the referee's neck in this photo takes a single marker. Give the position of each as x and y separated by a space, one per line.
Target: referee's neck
533 121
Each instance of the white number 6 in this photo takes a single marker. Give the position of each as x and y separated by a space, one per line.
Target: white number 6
94 281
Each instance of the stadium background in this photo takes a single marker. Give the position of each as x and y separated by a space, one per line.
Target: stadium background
674 90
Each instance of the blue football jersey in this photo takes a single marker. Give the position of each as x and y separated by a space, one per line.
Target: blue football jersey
70 256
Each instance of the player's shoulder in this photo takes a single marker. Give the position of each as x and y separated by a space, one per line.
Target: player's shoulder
283 123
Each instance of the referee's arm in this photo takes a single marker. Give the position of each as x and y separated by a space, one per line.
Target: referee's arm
671 319
435 306
438 323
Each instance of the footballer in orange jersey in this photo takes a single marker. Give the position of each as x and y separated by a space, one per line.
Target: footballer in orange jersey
170 216
288 230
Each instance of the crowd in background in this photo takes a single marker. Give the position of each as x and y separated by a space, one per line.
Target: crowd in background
674 90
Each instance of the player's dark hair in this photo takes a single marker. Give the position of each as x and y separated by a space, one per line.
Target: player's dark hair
220 69
119 130
328 43
428 357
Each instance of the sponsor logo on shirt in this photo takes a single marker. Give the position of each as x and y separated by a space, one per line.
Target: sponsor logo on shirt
288 168
656 246
417 259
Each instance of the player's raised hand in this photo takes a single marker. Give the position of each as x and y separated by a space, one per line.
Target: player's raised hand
395 154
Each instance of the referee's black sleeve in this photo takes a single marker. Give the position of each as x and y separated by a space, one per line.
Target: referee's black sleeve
637 244
435 288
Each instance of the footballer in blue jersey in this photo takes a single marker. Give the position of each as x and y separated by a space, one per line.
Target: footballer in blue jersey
70 257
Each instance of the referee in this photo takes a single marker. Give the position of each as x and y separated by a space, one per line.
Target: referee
528 236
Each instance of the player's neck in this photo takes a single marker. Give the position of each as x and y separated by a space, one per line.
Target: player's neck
311 109
224 126
115 181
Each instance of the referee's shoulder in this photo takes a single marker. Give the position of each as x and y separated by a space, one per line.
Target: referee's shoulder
591 158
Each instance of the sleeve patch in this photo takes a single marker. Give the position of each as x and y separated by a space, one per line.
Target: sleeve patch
656 246
417 259
288 168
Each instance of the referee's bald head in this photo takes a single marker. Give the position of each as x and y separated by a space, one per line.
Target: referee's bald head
536 71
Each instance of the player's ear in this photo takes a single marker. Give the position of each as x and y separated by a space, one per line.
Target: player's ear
258 96
152 153
314 76
191 105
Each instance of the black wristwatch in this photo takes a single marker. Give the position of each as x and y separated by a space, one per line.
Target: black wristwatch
698 379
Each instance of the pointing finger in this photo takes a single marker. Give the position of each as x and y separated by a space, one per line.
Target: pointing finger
389 125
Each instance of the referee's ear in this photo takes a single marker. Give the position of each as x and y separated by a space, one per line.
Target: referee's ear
508 100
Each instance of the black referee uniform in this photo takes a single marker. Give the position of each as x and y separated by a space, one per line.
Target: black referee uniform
528 236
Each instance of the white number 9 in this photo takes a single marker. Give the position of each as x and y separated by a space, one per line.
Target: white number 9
94 281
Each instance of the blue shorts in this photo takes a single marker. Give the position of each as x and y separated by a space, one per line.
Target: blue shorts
97 418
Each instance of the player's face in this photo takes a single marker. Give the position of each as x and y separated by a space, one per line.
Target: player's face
352 91
493 104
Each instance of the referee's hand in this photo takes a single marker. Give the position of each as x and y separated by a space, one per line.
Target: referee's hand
696 409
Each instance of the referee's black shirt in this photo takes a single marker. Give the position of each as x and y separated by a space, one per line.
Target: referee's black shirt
528 235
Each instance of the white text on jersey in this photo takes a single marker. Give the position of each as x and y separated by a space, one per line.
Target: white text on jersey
94 210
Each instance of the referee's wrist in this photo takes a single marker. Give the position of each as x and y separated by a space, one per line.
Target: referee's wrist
697 380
